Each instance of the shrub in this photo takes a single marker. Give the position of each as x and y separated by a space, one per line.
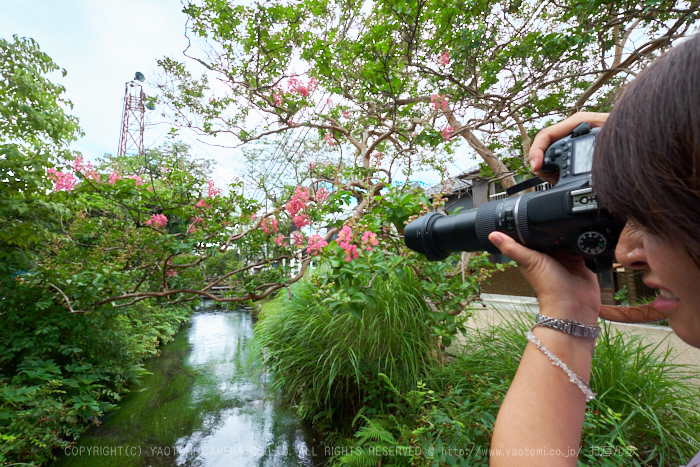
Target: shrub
63 371
329 364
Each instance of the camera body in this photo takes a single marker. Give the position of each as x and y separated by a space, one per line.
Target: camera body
566 216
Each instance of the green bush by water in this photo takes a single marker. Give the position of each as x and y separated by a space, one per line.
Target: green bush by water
329 364
62 371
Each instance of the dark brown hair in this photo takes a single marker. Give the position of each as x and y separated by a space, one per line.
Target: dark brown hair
647 156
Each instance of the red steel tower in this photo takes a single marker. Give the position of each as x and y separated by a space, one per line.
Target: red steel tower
133 117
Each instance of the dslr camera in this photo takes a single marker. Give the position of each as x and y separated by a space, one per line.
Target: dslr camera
566 216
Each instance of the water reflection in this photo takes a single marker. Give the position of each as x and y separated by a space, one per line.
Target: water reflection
200 407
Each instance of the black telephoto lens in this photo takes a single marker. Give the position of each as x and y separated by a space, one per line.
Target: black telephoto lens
437 236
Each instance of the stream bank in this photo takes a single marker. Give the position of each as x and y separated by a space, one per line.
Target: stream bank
199 406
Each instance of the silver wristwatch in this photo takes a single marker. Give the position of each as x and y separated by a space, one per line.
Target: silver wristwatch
568 326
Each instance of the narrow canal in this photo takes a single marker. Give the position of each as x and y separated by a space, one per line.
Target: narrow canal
200 406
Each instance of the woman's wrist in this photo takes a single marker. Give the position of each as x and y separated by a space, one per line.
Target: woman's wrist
555 307
575 351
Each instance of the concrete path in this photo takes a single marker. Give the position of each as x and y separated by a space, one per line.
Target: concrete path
499 307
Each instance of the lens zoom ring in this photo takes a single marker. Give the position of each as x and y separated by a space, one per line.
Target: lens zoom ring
486 221
523 225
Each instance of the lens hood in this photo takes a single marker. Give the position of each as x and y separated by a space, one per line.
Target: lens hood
418 237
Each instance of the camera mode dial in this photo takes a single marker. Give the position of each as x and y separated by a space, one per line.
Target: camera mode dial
592 243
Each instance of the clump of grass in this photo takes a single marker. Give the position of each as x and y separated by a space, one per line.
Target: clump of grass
329 364
657 399
646 406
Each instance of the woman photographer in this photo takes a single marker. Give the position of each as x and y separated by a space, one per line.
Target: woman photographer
646 171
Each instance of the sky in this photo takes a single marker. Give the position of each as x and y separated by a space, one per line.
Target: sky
102 44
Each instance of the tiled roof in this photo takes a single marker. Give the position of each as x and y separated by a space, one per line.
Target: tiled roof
458 184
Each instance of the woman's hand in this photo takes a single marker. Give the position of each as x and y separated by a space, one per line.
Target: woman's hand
565 287
549 135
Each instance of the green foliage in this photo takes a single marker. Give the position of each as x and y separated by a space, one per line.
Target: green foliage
645 412
330 364
62 371
221 263
503 66
34 134
656 399
622 295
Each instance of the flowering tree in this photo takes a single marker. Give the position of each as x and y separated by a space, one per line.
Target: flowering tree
404 78
388 89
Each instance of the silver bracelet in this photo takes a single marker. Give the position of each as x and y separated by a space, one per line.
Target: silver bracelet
568 326
573 377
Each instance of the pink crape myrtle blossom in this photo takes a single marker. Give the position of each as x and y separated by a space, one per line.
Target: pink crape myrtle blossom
369 239
279 240
157 220
295 85
446 133
212 191
87 171
137 178
445 58
63 181
298 238
346 113
344 237
351 253
316 243
329 139
172 272
296 206
438 102
277 97
344 240
302 220
298 201
269 224
302 193
322 195
202 204
378 158
114 176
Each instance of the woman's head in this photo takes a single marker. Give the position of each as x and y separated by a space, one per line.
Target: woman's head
646 170
646 166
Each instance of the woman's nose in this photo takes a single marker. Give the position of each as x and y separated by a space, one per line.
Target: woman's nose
630 247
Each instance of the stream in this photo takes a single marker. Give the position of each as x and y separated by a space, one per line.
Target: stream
200 406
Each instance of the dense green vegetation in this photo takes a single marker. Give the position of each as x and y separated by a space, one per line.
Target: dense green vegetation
426 411
330 364
62 368
62 371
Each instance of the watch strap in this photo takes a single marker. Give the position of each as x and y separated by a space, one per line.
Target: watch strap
568 326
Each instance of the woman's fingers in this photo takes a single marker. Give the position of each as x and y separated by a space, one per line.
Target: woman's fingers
563 284
530 262
549 135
